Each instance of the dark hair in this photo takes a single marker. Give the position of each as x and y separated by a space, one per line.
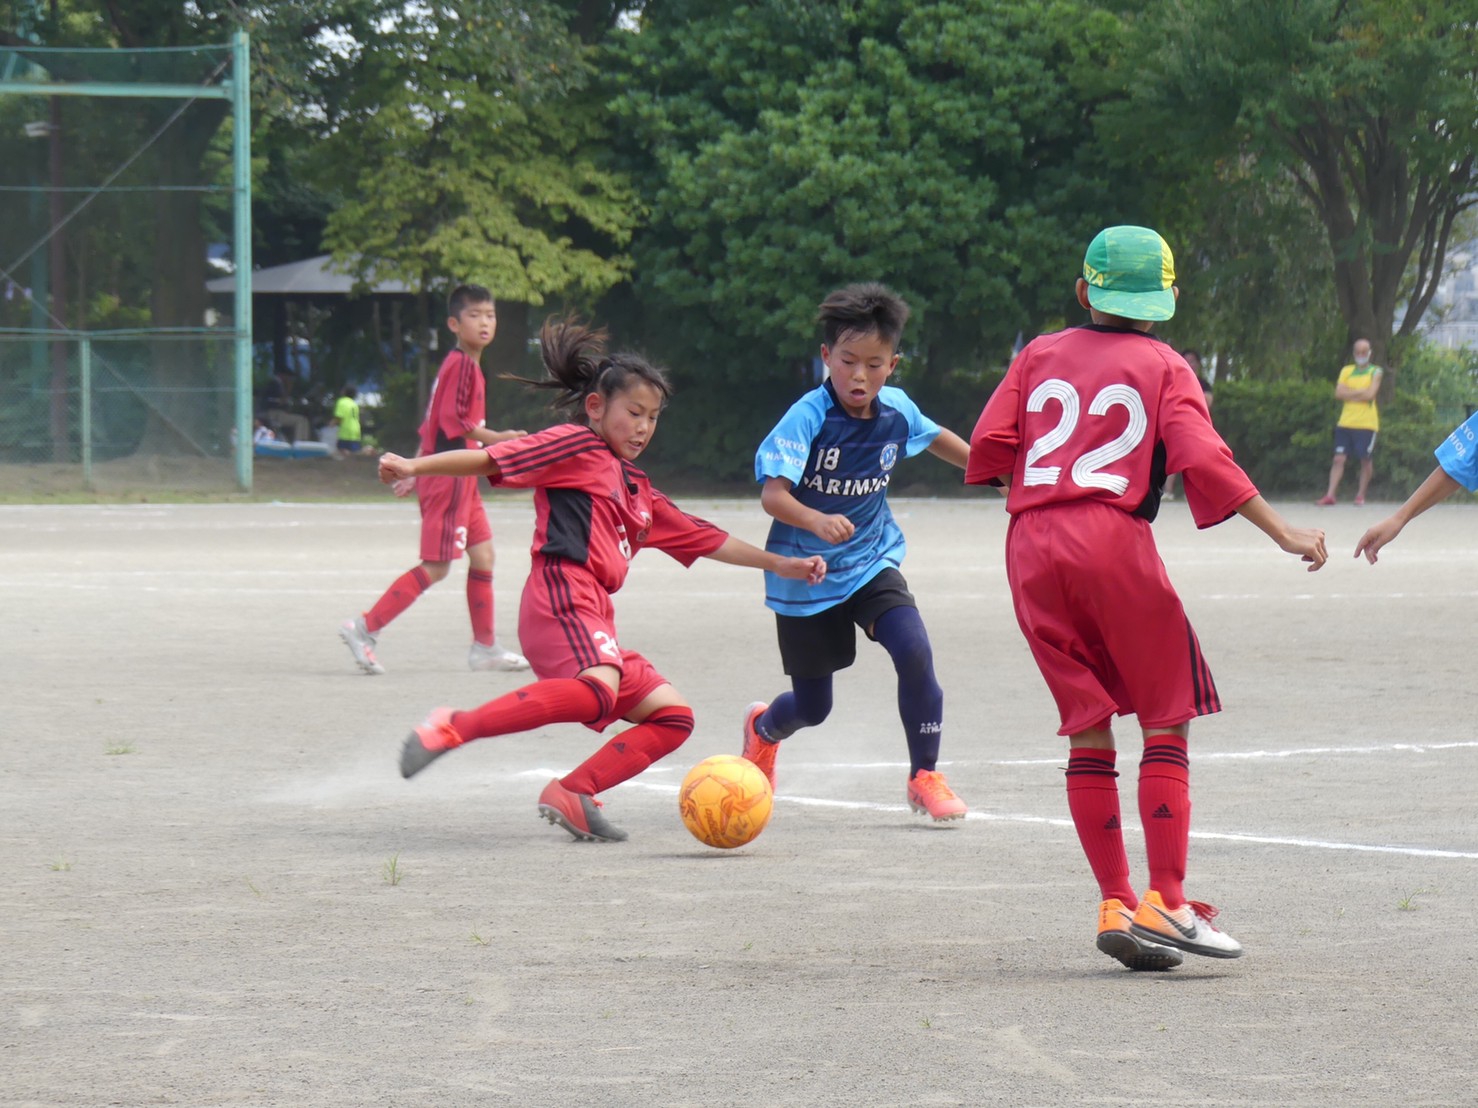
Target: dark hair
350 391
576 364
1190 353
464 296
863 309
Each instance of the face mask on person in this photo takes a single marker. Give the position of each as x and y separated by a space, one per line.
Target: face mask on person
1362 360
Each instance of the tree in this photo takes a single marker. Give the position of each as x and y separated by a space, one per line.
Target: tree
1368 109
465 155
787 147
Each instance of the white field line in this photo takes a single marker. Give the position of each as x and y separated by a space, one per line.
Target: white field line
1050 821
1011 817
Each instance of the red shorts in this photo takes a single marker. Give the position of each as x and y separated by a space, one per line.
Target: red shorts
566 625
452 517
1103 621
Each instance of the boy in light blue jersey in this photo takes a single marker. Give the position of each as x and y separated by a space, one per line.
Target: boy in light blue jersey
1457 468
826 467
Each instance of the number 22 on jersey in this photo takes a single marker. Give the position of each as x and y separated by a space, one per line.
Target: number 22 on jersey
1088 469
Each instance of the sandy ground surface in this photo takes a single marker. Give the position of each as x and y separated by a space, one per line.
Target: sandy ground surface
220 891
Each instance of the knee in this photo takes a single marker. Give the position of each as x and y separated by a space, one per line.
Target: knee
812 705
480 557
903 635
672 725
435 571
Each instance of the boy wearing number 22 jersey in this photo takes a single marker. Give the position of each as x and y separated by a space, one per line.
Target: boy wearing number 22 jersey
1084 428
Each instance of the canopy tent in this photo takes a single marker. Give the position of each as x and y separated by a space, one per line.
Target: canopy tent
310 277
318 282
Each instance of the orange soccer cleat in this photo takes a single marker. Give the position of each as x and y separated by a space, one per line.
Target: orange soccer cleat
929 793
1117 939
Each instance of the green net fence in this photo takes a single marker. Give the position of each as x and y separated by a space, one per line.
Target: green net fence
121 190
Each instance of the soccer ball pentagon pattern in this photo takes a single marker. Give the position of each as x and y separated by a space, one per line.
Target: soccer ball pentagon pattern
725 801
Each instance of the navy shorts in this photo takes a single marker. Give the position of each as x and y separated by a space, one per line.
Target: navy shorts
819 645
1353 441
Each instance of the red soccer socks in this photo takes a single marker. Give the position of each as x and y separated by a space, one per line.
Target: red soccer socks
1165 811
557 700
632 751
406 590
480 605
1093 800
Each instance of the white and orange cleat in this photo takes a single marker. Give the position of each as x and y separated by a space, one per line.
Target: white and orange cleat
361 644
1187 927
1117 939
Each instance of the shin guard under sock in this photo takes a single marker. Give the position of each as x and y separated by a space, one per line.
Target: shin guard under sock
480 605
1165 811
632 751
1093 800
557 700
406 590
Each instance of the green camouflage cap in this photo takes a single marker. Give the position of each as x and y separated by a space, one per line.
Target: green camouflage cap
1130 271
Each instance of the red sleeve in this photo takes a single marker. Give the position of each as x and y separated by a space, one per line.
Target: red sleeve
684 537
996 439
566 456
1215 485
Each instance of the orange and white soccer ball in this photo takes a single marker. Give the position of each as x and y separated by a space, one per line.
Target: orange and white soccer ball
725 801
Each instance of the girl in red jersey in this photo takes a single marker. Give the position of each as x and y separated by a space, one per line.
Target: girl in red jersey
594 510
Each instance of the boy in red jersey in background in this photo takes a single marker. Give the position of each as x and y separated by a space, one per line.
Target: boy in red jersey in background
452 515
1083 429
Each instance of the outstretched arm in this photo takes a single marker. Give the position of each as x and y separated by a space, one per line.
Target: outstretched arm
777 500
1306 542
451 463
950 447
1436 488
491 438
737 552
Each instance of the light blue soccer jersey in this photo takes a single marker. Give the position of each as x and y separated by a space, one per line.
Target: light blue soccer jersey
1458 455
840 466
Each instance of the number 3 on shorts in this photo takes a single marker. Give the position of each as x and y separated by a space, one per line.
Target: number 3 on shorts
460 541
608 646
1086 469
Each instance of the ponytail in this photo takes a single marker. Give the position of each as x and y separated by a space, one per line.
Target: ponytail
576 365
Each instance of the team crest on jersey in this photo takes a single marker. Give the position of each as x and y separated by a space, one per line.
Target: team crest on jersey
889 458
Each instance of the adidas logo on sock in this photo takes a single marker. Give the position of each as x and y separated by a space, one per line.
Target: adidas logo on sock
1112 824
1163 812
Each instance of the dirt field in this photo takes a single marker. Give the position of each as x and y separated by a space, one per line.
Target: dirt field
222 893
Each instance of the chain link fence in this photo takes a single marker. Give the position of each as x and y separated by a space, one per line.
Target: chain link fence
123 190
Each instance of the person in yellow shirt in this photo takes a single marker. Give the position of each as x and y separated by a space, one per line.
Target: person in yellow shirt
1358 386
346 419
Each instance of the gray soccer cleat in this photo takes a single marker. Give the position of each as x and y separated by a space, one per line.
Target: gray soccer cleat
482 659
361 644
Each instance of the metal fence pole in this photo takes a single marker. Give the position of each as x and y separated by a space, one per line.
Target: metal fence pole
241 248
86 375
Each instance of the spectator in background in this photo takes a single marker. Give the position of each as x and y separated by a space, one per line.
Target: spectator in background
1359 420
261 432
346 419
278 402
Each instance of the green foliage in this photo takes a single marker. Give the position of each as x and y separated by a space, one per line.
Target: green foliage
1365 107
942 147
467 157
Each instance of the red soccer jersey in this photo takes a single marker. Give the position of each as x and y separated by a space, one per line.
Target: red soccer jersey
1083 414
458 404
595 509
